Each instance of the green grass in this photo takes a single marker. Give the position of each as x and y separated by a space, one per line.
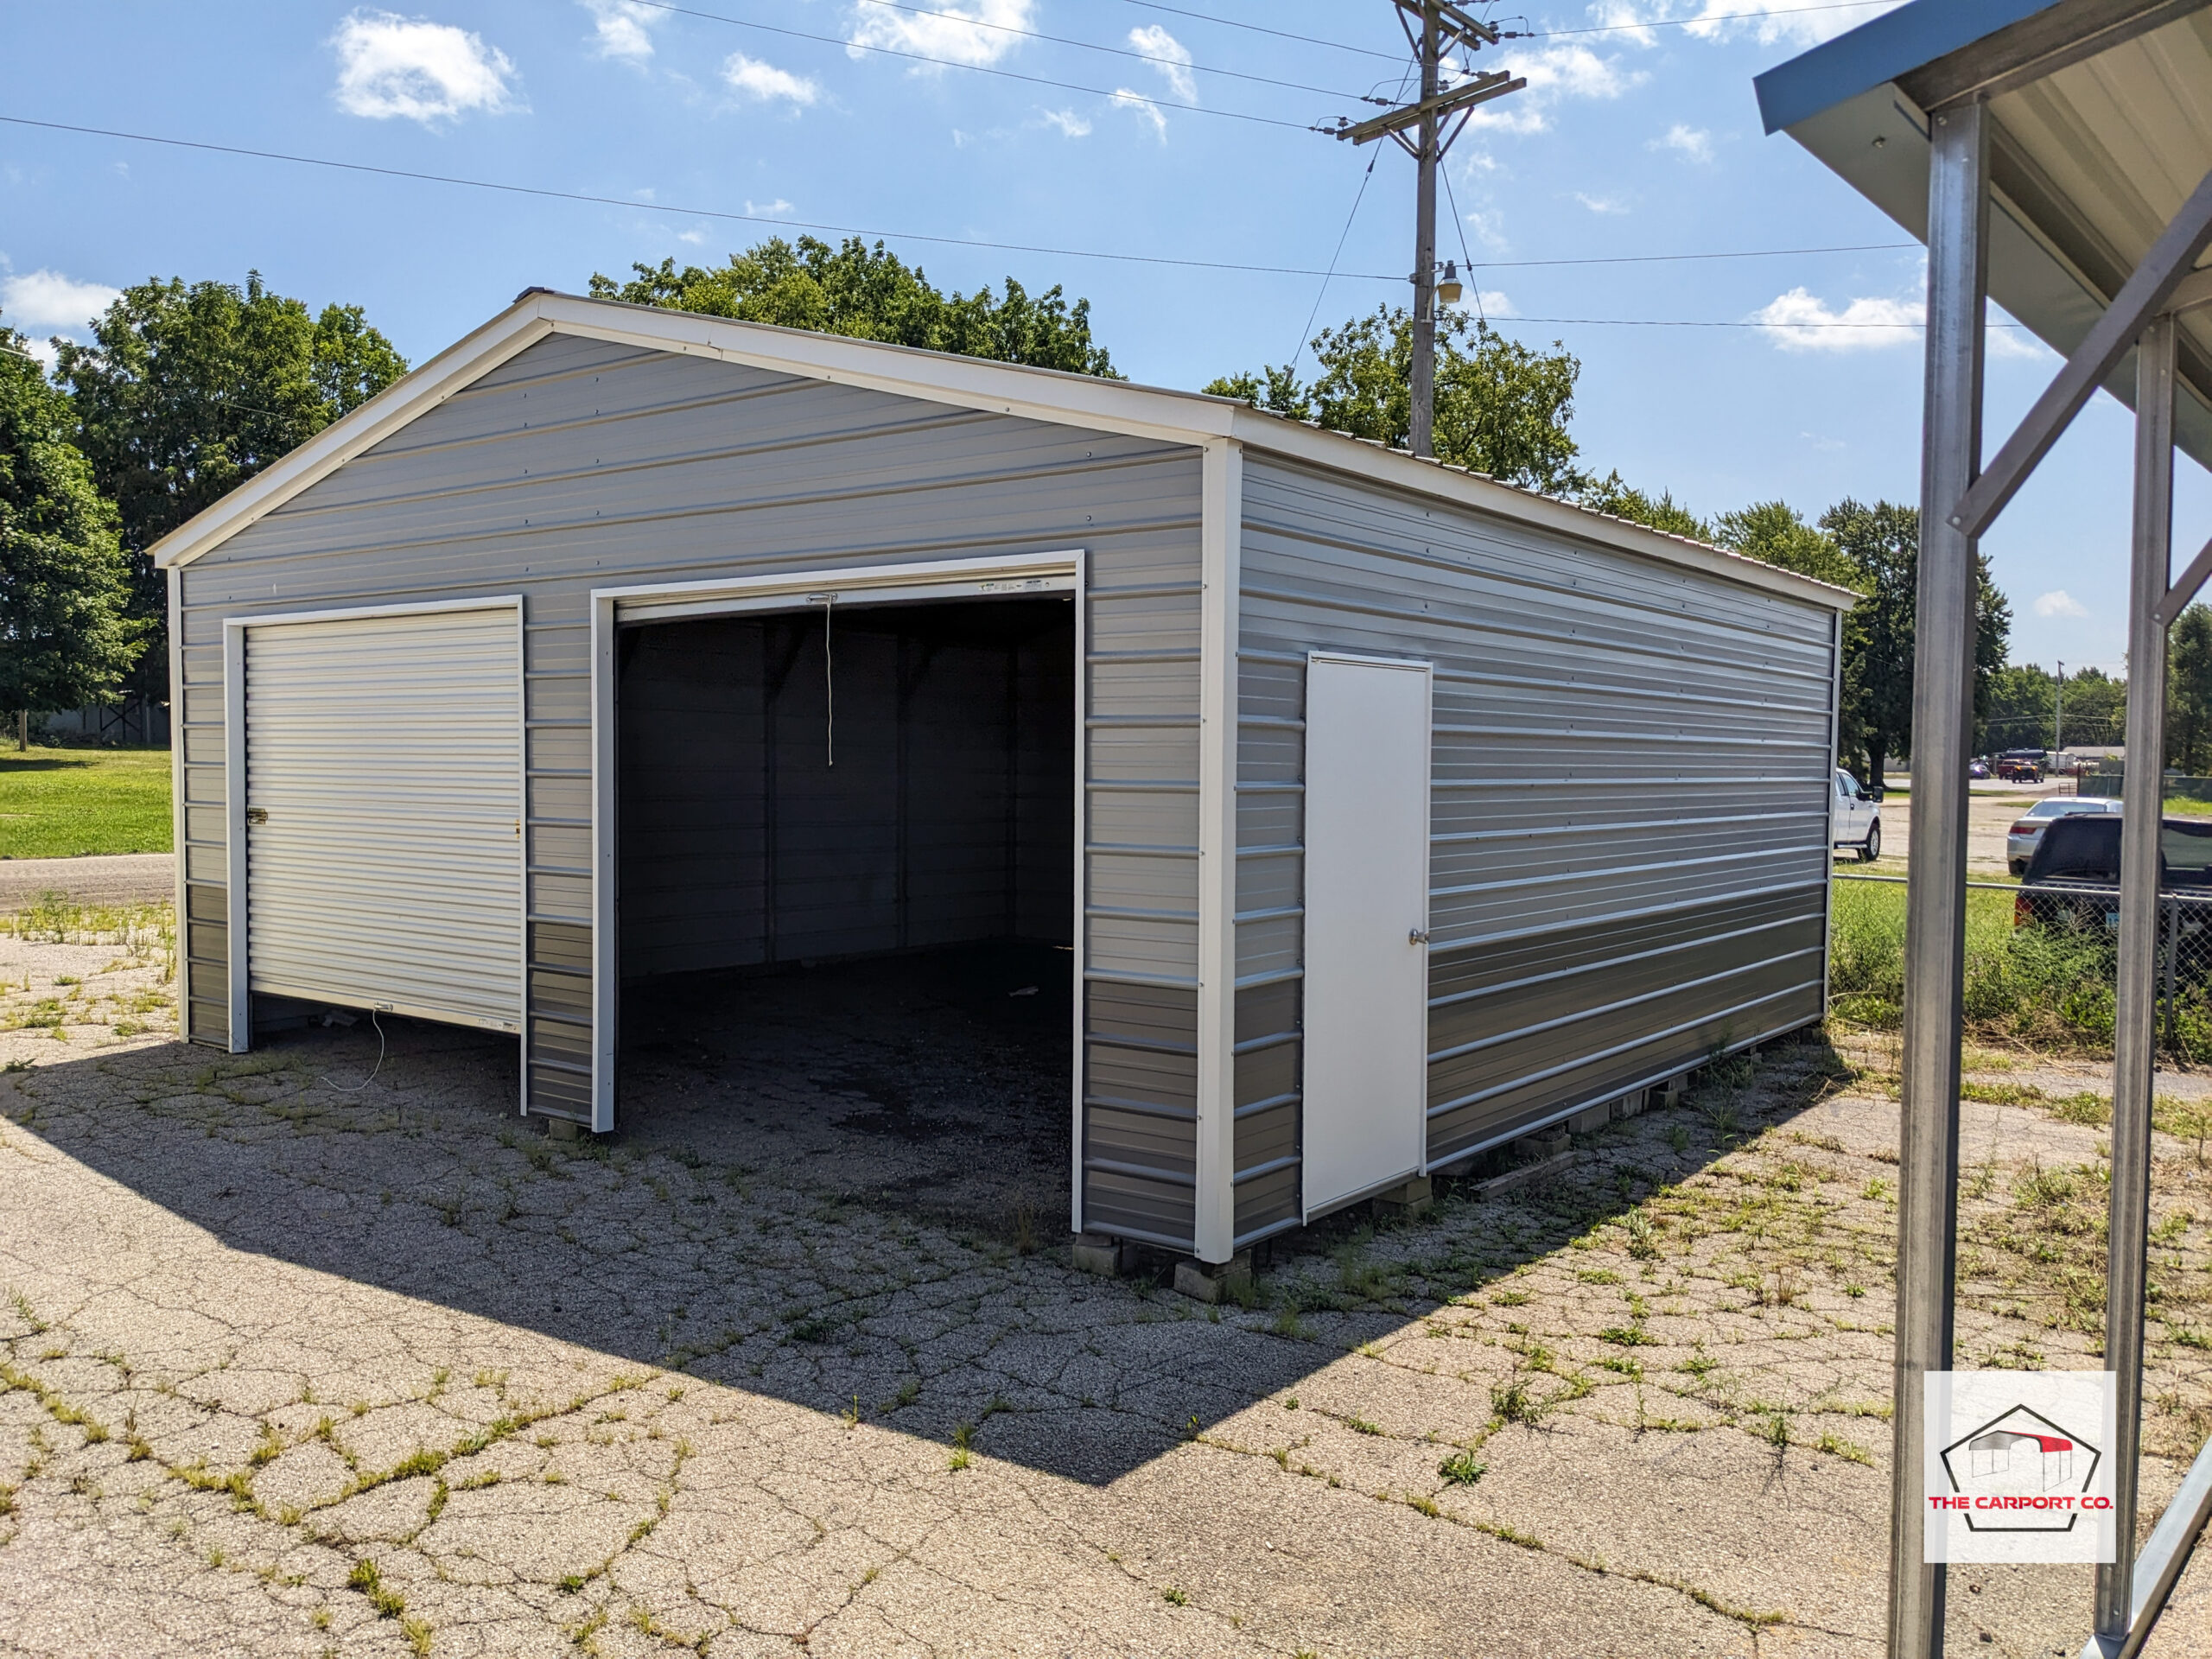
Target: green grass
2182 807
65 803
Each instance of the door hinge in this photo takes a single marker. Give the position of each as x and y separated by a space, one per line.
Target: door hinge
1417 936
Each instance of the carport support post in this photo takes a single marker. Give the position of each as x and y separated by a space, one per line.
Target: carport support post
2135 1012
1942 732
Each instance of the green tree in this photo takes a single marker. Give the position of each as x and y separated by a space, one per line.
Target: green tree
186 392
871 294
1882 543
1501 408
2022 703
1610 494
2096 708
64 641
2189 692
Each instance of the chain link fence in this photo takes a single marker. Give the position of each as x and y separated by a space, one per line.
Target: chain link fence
2042 963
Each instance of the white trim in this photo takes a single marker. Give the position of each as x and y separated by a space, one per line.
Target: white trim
237 909
606 959
971 578
234 850
977 578
179 839
374 612
522 850
1078 979
1222 495
1050 396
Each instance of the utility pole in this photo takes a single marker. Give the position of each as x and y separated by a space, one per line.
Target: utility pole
1436 118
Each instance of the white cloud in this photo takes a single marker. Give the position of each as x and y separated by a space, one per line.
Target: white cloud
623 28
2059 602
1798 322
1601 204
978 33
1554 73
2016 343
1692 143
1071 124
765 81
695 237
1493 302
46 300
409 66
1172 58
1144 107
768 209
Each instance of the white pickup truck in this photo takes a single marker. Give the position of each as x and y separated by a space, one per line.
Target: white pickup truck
1855 819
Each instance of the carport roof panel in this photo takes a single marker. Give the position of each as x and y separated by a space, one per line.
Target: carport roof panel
2102 118
1048 395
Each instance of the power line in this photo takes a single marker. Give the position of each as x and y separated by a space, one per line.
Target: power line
681 212
1686 22
1261 28
1121 94
1034 34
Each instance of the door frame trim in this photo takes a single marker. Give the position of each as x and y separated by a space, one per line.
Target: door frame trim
237 910
1006 576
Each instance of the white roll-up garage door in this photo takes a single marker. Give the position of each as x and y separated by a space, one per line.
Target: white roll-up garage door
384 812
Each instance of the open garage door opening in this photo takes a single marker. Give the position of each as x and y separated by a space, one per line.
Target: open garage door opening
846 861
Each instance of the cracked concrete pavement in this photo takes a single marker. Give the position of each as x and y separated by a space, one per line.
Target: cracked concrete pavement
298 1361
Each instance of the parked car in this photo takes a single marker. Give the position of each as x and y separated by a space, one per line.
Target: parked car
2021 766
2073 879
1855 818
2020 840
1977 768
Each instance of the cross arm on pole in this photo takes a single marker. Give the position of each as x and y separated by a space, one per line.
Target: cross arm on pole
2145 295
1480 89
1469 31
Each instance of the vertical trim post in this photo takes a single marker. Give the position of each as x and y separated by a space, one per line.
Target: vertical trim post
605 963
1080 984
234 845
1220 558
2136 1010
181 858
1942 727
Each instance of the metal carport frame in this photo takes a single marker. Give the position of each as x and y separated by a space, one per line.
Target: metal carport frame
2087 278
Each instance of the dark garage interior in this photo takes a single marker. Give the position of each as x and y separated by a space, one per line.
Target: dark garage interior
847 858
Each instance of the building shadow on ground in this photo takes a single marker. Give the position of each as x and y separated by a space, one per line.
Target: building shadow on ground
874 1224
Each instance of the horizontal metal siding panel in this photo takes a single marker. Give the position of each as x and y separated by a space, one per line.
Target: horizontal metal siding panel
1139 1110
206 965
1268 1102
382 762
1524 1029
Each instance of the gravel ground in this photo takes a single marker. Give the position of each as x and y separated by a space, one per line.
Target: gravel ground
123 879
308 1353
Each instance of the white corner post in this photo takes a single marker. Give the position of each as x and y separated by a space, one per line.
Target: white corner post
1943 733
237 865
2135 1012
606 958
1223 498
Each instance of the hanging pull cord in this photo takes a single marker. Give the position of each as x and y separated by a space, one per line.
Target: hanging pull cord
827 601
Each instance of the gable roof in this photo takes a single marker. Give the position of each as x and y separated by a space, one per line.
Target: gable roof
1053 396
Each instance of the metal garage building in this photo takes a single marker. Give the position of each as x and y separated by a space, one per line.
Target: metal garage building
1390 812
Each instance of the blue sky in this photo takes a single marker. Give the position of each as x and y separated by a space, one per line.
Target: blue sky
1631 139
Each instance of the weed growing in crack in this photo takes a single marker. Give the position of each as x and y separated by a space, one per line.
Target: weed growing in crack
1463 1468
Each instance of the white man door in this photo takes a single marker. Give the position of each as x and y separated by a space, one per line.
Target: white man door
1366 991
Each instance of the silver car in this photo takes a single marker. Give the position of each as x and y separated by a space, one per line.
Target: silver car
2020 840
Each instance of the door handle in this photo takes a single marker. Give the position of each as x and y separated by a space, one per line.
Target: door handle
1417 936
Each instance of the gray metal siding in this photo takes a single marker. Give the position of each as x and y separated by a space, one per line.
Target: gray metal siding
579 464
1631 760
